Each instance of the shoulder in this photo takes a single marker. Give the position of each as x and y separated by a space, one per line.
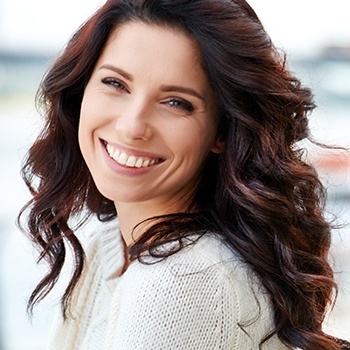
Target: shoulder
205 262
182 302
201 258
203 292
205 257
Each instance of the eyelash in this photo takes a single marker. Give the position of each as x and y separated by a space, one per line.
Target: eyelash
177 103
114 83
180 104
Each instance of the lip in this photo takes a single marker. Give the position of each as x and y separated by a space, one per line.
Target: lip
126 170
133 152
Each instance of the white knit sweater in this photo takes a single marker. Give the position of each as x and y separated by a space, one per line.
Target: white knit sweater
202 297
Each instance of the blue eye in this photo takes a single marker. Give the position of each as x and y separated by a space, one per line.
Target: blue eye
114 83
181 104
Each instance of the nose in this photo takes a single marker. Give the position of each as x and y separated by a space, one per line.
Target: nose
134 121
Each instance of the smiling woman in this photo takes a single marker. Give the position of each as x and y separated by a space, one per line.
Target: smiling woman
147 125
176 123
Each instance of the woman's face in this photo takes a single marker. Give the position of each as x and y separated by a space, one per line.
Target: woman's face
148 117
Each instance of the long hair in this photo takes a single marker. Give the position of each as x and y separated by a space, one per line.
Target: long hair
259 193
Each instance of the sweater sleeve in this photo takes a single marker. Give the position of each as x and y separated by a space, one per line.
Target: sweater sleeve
182 302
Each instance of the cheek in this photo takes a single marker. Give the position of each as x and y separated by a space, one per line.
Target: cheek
200 137
83 145
193 143
85 129
89 112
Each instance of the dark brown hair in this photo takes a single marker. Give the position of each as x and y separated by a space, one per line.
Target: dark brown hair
259 194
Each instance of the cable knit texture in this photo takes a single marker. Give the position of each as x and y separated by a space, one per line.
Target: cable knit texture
203 297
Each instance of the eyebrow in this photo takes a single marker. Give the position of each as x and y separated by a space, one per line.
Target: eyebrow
164 88
118 70
189 91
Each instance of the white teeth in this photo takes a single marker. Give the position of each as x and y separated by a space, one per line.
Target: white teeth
139 163
145 164
122 159
109 149
130 161
115 154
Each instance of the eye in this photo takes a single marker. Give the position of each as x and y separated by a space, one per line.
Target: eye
180 104
115 83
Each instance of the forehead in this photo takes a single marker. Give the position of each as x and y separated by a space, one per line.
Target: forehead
137 29
137 43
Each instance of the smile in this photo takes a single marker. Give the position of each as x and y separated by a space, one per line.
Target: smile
130 161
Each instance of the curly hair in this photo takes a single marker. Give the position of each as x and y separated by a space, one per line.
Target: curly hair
259 193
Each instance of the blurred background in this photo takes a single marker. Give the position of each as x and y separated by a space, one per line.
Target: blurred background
316 37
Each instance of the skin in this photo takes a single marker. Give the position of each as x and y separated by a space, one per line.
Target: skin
148 97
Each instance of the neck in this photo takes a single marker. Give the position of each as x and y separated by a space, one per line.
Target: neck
129 216
132 214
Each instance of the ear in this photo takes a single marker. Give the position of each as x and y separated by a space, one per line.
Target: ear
219 146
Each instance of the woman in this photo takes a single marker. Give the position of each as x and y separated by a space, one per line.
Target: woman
180 116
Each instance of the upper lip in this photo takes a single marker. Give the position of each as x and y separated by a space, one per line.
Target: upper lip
134 152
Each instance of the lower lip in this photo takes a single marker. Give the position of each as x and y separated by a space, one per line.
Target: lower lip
124 170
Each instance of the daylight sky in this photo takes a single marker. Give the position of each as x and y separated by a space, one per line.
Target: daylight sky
297 26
